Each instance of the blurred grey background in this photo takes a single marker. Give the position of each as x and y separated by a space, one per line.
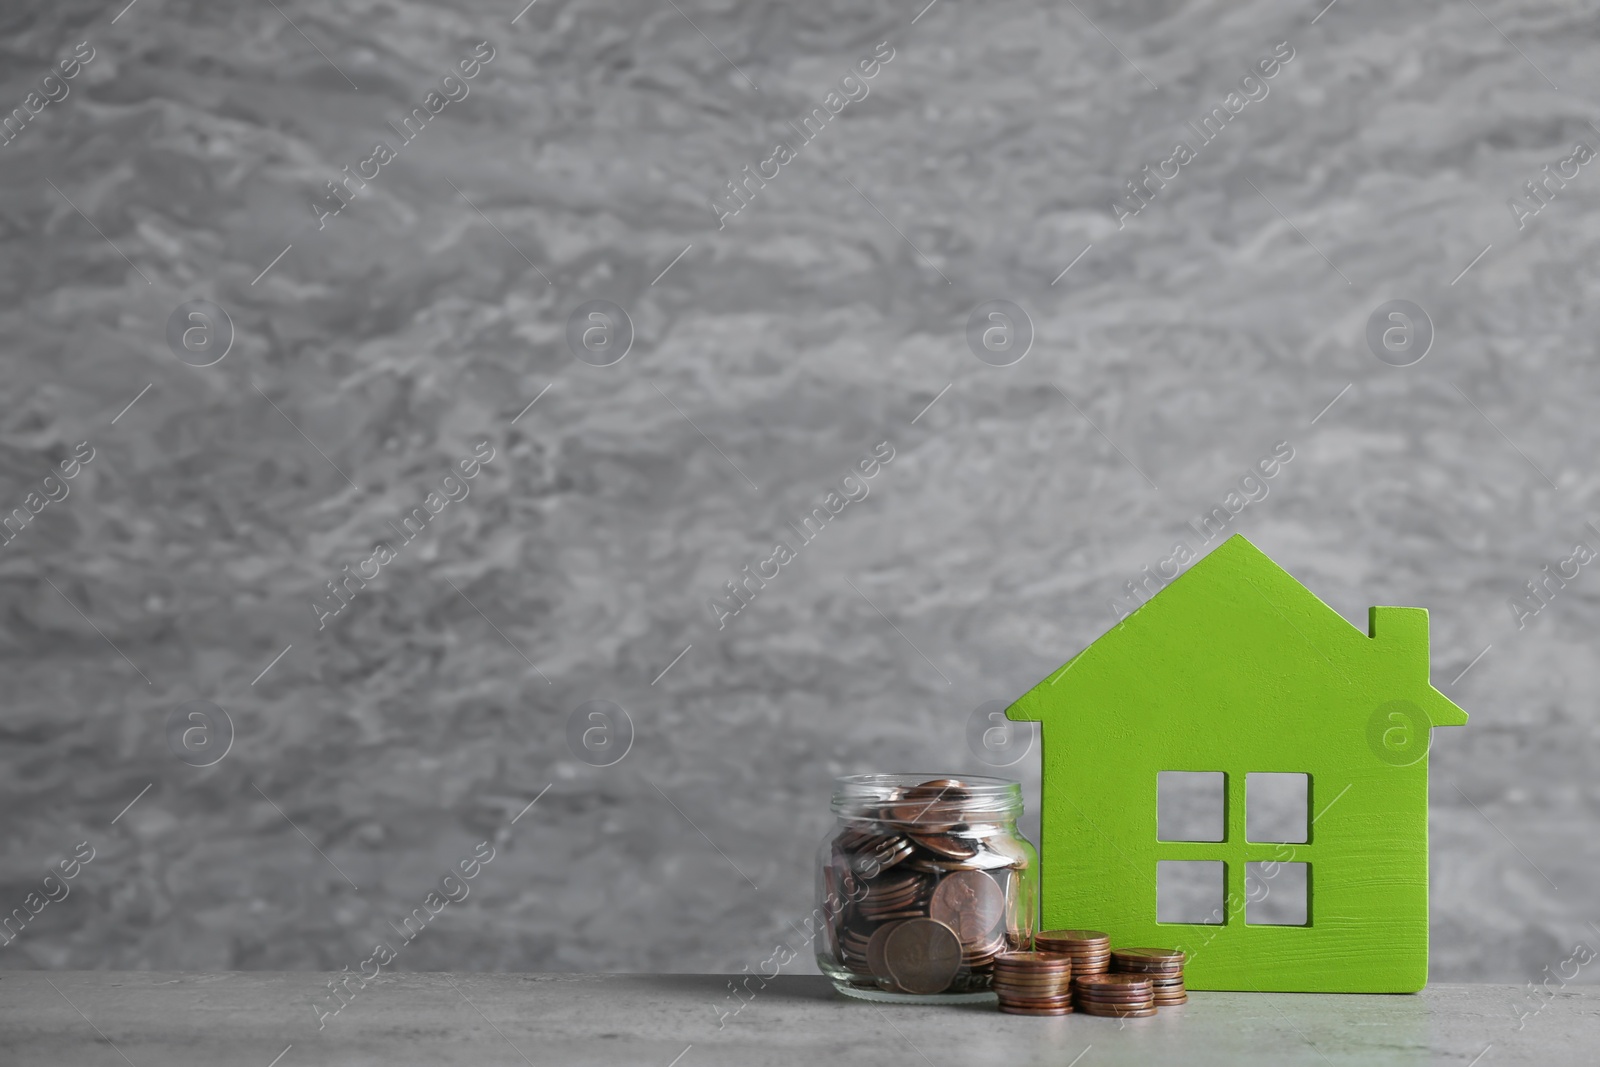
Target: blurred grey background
372 349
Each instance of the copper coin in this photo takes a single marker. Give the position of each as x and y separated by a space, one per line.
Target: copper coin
935 804
1146 968
1120 994
1086 938
1112 994
970 903
1064 1010
903 915
922 955
928 863
1149 956
948 846
1093 998
875 945
1033 960
943 787
1013 978
1057 1003
1101 998
854 839
1111 982
1117 1013
880 853
889 885
1032 989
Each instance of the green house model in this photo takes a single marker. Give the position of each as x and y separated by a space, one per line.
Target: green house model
1234 678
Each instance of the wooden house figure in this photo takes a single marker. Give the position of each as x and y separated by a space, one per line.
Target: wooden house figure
1235 676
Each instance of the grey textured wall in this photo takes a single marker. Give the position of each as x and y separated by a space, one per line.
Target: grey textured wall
376 346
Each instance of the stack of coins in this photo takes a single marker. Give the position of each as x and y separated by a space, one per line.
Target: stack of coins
1163 966
1126 996
1033 983
913 888
1090 949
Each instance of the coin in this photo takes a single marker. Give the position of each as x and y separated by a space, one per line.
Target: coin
872 854
1161 959
922 955
948 846
1112 983
970 903
853 950
1115 1013
1113 999
1065 1009
1087 939
953 787
934 805
1112 987
854 839
1034 960
875 947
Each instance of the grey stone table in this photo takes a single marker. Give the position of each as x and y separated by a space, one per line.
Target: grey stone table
108 1018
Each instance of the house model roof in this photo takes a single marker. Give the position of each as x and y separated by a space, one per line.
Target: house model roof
1237 622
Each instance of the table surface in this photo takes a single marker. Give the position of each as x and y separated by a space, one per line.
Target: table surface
152 1019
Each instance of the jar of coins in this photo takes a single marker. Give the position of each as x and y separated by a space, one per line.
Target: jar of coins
923 881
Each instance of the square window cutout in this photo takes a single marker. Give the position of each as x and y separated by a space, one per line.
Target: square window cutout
1190 891
1276 807
1277 894
1190 805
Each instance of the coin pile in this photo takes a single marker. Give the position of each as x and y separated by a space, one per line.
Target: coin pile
1090 950
1162 966
922 897
1033 983
1126 996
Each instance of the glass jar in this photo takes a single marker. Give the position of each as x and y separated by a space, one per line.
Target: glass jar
923 880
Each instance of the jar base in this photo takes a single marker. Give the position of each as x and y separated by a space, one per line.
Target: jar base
981 996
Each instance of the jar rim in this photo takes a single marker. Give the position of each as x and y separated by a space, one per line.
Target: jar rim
971 783
978 795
